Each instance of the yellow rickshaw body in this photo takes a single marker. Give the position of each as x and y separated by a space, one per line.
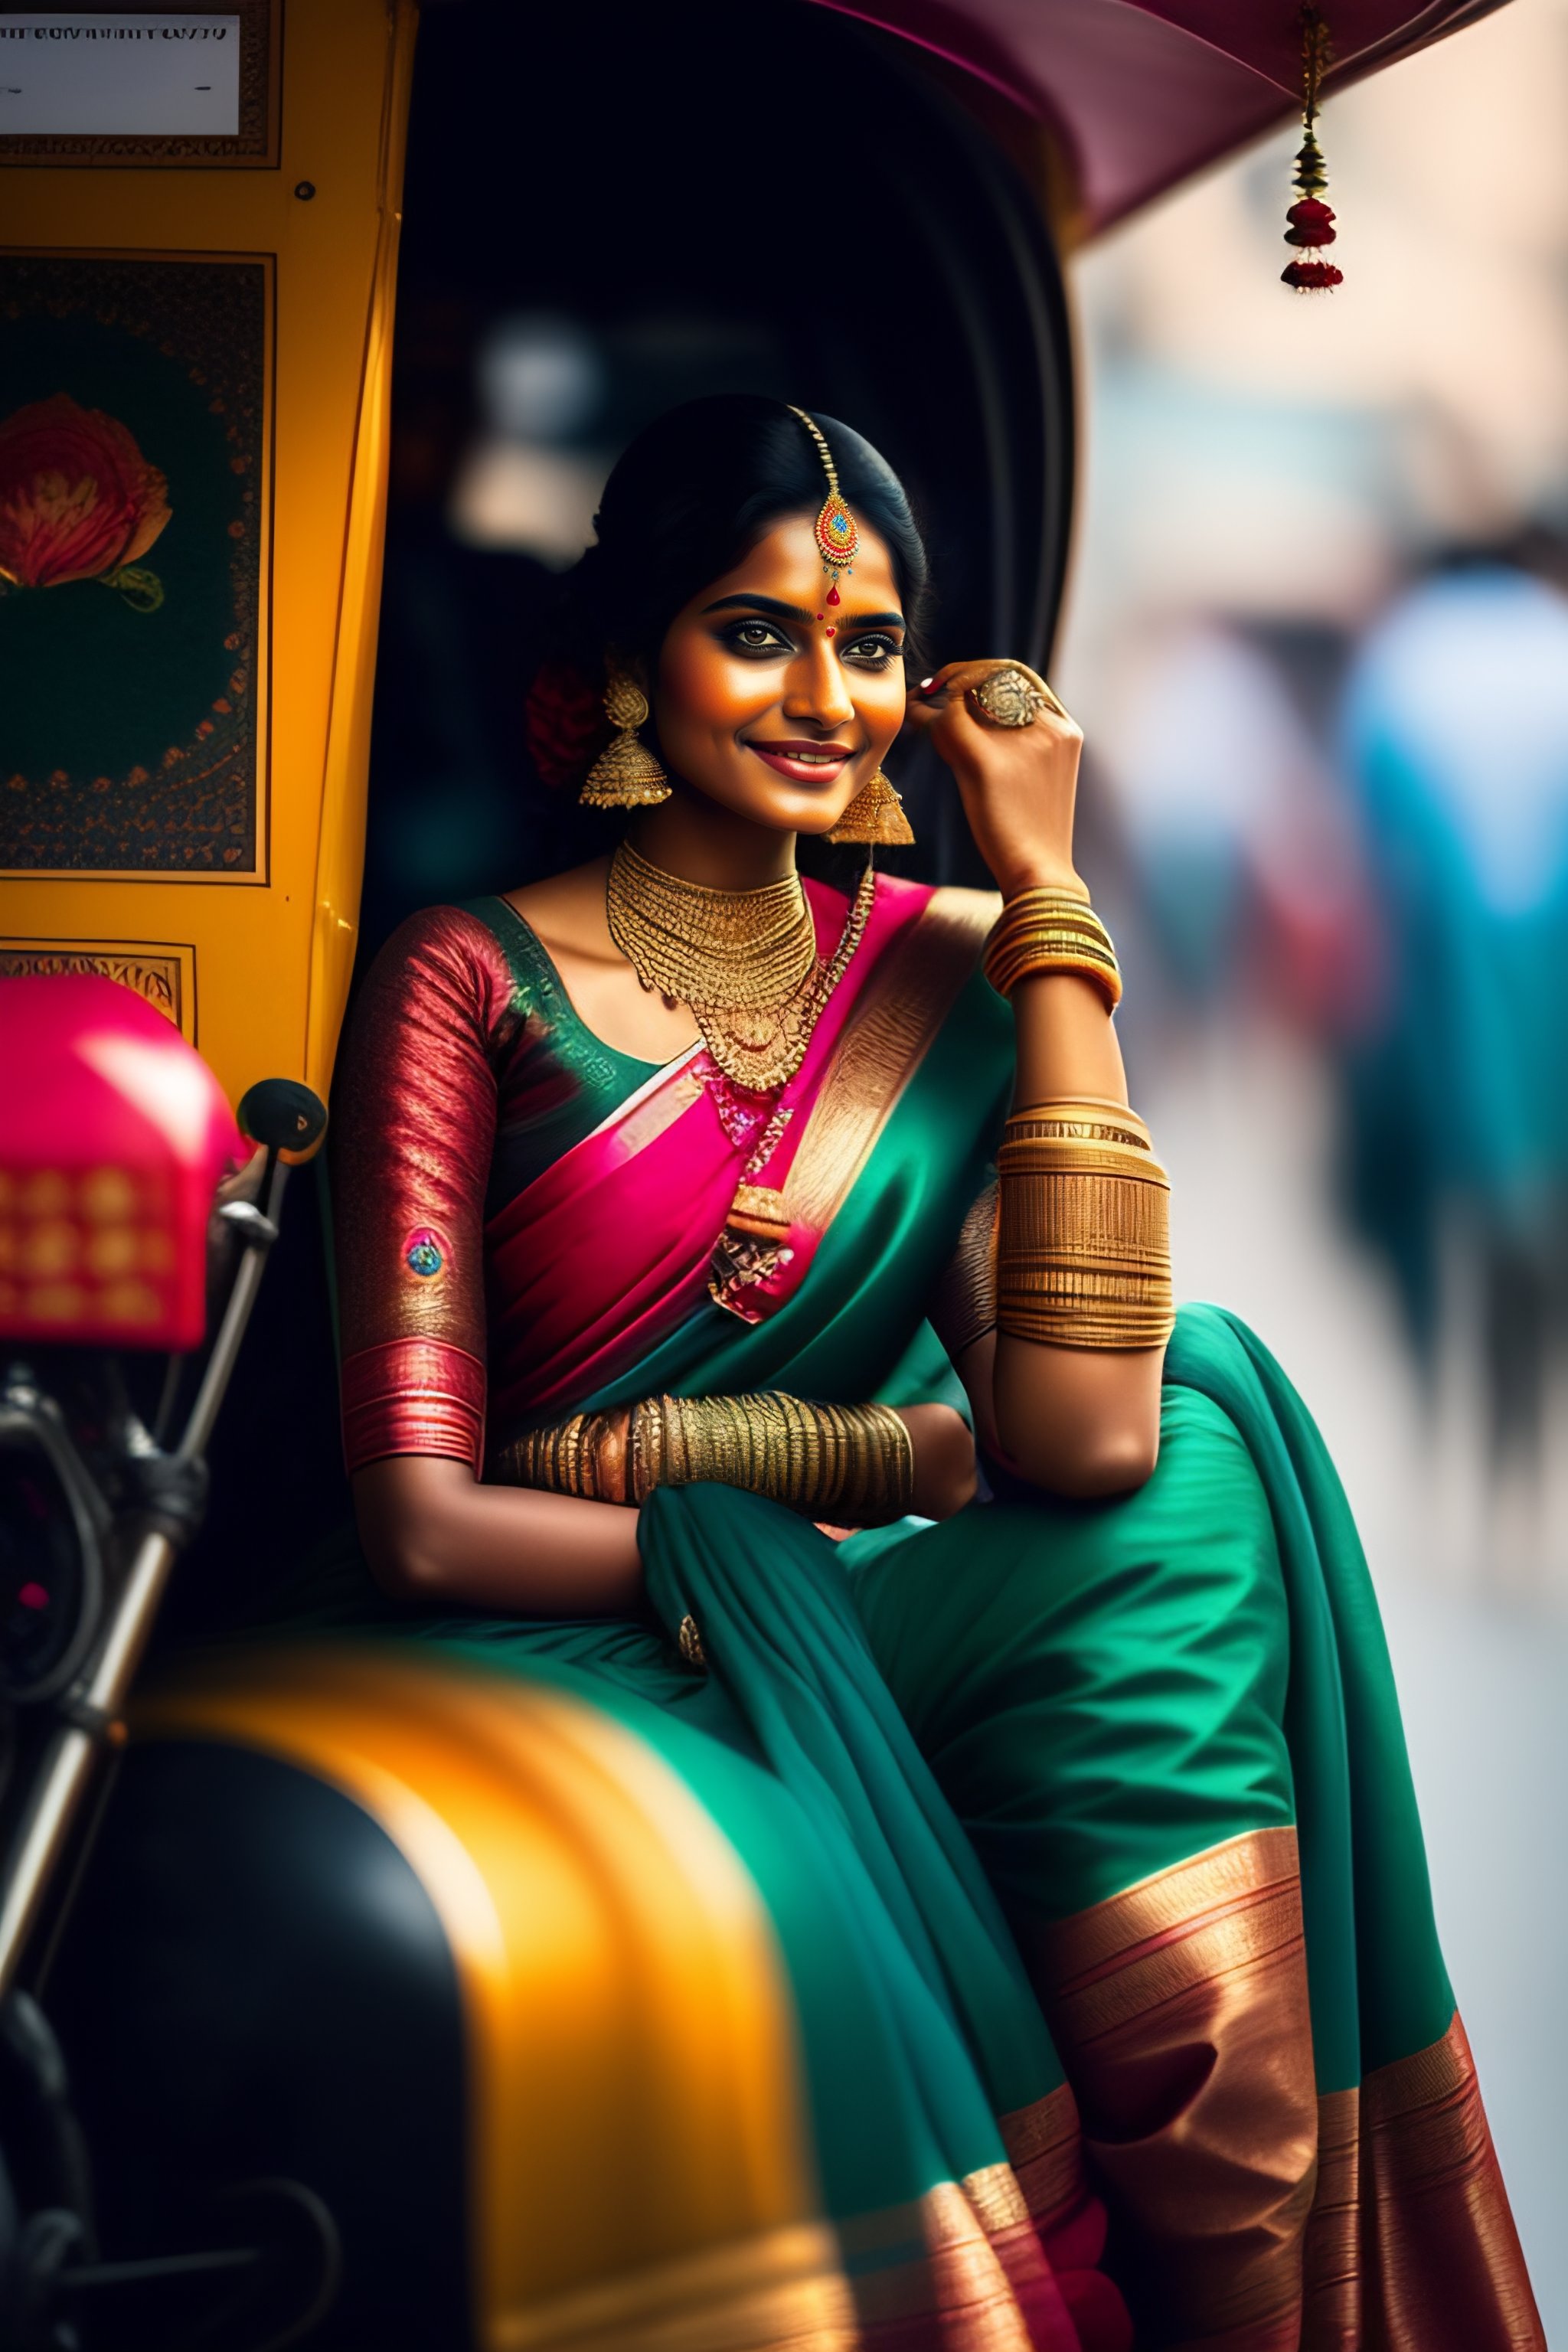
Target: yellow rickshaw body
253 960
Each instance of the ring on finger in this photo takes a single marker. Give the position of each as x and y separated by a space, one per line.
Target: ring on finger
1009 697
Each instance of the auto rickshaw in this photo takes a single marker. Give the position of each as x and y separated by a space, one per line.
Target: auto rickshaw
274 1964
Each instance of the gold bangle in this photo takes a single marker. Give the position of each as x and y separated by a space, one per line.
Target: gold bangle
1083 1247
890 1496
589 1454
1048 930
1090 1116
851 1465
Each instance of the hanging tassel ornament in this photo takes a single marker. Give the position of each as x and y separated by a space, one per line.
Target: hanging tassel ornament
1312 221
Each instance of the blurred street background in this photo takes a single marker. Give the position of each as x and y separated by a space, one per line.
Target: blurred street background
1317 637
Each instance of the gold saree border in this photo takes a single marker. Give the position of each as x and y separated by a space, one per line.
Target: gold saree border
884 1042
952 2268
1331 2270
1179 2007
1045 2148
653 1107
1261 2216
1412 2246
1178 1897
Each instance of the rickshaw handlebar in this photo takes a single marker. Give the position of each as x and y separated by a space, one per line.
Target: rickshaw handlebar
284 1117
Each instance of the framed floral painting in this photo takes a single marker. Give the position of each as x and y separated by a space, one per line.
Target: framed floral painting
134 537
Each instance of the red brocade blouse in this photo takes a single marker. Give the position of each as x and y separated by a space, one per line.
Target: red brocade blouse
464 1071
464 1206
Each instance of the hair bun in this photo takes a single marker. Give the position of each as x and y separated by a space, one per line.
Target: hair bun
564 722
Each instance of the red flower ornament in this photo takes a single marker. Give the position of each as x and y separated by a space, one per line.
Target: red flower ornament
1310 220
565 724
77 501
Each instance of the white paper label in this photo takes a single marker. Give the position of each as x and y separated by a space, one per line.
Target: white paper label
147 76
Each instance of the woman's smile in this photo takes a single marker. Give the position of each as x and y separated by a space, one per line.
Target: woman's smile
805 762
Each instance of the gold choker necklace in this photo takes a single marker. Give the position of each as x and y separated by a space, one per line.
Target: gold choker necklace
745 962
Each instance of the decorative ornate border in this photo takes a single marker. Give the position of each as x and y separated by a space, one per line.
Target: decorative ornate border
254 148
162 970
104 278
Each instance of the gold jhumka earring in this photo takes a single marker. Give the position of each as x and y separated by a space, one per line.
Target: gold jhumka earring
626 775
875 815
877 812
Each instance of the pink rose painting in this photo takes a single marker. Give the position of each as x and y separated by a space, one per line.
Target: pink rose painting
132 725
77 501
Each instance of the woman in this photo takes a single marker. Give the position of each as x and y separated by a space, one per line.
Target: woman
649 1177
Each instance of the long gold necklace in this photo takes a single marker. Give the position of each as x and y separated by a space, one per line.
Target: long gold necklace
745 960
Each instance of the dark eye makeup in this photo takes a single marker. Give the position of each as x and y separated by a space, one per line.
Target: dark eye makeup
756 637
873 649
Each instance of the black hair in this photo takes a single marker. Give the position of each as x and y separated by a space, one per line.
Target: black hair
694 492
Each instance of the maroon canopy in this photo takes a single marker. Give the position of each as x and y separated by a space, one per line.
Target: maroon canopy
1141 92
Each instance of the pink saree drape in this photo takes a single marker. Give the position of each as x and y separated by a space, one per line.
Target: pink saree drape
609 1249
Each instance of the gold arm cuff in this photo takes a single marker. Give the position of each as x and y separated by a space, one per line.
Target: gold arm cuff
852 1465
1083 1246
963 1306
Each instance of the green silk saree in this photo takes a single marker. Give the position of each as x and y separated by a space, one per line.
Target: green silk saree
1086 1832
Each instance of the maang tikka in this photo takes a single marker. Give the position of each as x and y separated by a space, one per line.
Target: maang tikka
877 812
838 540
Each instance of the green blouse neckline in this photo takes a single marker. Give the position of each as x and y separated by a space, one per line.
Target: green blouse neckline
525 948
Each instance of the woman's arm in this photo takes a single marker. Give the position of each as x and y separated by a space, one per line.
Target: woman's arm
438 1537
435 1536
414 1120
1079 1422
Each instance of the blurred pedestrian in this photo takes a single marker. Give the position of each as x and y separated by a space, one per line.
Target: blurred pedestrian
1456 733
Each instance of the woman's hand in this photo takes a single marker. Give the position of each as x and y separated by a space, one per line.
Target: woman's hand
1017 783
944 1460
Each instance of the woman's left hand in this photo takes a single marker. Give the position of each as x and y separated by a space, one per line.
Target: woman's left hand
1017 783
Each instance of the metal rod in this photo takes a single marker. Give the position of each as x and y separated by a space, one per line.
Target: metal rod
101 1694
39 1841
260 1234
83 2277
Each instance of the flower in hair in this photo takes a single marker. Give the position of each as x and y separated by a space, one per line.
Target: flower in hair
564 723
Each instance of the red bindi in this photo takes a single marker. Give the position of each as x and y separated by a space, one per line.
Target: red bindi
831 633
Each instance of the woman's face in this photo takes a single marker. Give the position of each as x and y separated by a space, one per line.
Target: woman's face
771 700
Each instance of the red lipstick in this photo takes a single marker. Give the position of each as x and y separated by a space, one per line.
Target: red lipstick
803 761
